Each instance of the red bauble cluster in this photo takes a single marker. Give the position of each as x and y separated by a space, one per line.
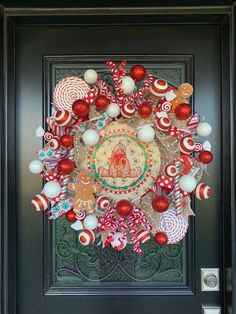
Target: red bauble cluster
70 216
102 102
145 109
65 166
66 140
161 238
160 203
183 111
80 108
138 72
124 208
205 157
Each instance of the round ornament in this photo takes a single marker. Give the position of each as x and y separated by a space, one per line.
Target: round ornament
90 222
66 140
202 191
80 108
187 183
204 129
186 145
86 237
161 238
183 111
55 143
205 157
138 72
127 110
165 105
101 102
160 203
90 76
146 134
71 216
65 166
159 88
124 208
90 137
170 170
119 241
63 118
143 236
163 124
52 189
145 110
103 202
80 215
40 202
36 166
128 85
113 110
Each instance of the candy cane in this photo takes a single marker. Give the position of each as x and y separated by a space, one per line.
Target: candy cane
177 193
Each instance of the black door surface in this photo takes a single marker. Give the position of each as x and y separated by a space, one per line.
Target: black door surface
52 276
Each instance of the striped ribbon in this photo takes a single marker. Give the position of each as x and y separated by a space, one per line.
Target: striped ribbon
177 192
66 179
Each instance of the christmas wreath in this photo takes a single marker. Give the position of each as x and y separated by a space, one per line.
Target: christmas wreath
121 160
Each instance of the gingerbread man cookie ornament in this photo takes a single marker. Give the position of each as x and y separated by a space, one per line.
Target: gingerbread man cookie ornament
84 189
184 91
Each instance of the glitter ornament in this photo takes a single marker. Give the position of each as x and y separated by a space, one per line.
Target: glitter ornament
145 110
205 157
36 166
161 238
124 208
183 111
70 216
65 166
138 72
101 102
160 203
66 140
80 108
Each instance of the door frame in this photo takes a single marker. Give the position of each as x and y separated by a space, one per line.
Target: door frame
11 18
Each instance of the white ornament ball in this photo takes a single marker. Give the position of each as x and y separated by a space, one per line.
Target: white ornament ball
128 85
35 166
187 183
113 110
90 137
90 76
90 222
146 134
204 129
52 189
119 241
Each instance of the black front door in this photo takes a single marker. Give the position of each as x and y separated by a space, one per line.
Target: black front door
53 275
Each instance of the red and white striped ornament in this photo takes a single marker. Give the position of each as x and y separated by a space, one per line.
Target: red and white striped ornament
127 110
170 170
63 118
40 202
163 124
165 106
86 237
143 236
48 135
54 143
187 145
103 202
80 215
159 88
202 191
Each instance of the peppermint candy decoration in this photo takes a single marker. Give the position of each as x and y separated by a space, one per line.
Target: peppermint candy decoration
86 237
127 110
48 136
186 145
68 90
163 124
54 143
103 202
159 88
81 215
166 106
175 227
170 170
143 236
40 202
202 191
63 118
193 123
198 147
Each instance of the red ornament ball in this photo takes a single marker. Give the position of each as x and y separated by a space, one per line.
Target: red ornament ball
160 203
66 140
161 238
183 111
80 108
138 72
124 208
145 109
102 102
71 216
205 157
65 166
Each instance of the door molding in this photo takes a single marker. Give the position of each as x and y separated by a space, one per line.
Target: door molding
11 18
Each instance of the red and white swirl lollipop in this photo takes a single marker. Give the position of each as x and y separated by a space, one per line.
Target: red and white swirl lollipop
68 90
80 215
175 227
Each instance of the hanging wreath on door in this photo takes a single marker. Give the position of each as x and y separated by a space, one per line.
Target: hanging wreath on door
121 160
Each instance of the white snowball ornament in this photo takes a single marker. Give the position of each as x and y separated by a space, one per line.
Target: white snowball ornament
146 134
35 166
90 222
52 189
204 129
187 183
113 110
90 137
128 85
90 76
119 241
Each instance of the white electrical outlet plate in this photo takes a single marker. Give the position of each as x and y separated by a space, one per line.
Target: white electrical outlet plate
208 271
